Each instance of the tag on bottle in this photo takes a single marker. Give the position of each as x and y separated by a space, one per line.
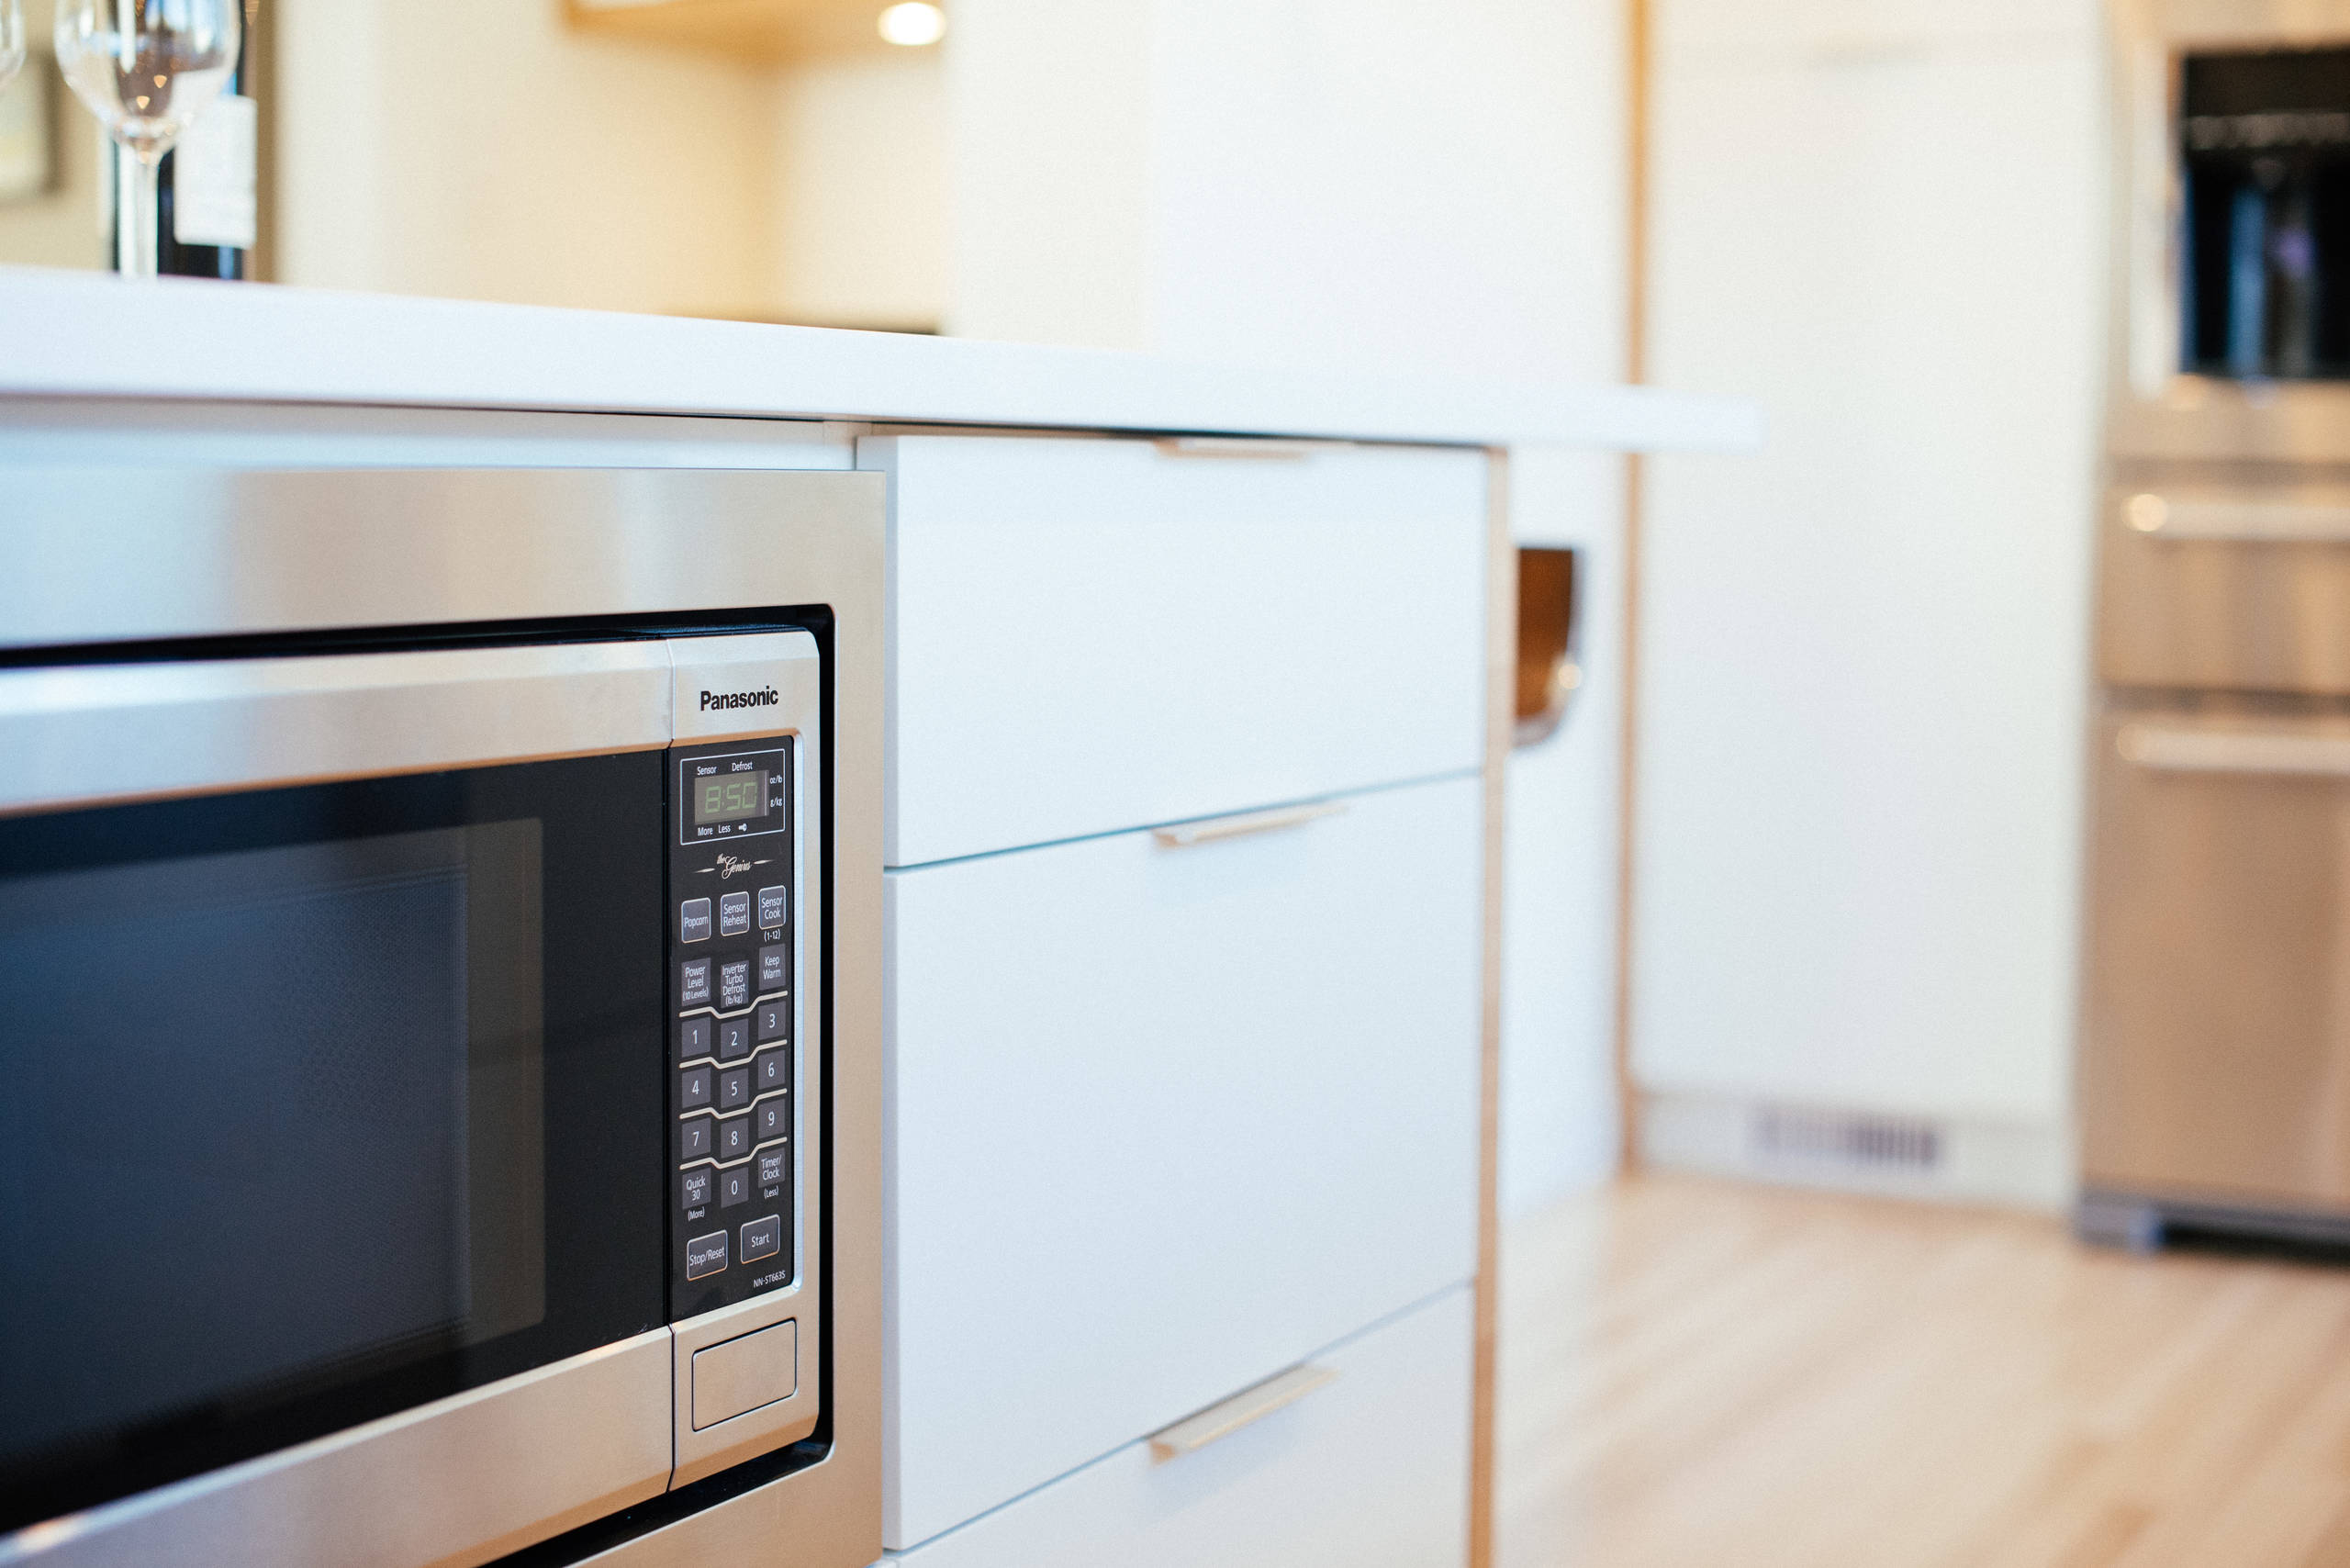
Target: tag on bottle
214 169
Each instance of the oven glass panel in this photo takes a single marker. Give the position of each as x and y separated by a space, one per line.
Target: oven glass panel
324 1118
2265 154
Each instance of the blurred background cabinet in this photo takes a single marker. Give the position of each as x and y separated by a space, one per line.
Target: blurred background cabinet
1858 821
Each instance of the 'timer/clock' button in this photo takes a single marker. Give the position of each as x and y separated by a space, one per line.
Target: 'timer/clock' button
693 925
733 914
705 1255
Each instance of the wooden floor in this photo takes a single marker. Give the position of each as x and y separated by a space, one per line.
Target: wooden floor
1697 1373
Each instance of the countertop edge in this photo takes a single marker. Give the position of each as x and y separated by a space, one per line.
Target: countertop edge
65 333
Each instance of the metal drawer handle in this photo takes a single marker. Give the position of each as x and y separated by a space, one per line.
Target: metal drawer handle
1194 1433
2234 751
2275 522
1260 449
1184 836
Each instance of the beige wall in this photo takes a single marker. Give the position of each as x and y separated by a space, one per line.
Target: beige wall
860 219
446 148
59 228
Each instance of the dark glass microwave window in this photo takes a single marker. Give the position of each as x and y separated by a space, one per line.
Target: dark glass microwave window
316 1065
319 1104
2264 259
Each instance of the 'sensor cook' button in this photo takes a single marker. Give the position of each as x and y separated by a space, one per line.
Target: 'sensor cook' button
705 1255
693 920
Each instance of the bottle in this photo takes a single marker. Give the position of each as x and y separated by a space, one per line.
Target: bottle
206 191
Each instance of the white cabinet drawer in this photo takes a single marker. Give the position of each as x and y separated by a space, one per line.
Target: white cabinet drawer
1162 1121
1088 636
1371 1470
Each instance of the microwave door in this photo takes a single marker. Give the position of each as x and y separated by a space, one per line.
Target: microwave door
329 1106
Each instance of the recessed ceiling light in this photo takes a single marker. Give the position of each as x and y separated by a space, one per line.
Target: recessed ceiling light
914 24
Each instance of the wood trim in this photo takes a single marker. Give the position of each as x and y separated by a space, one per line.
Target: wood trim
1501 725
1640 66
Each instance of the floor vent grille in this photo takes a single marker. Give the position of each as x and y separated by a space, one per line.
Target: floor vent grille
1787 1135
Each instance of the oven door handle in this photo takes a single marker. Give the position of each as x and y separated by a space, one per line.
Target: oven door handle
2237 521
2164 748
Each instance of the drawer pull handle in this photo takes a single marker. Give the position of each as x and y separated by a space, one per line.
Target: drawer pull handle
1194 1433
2234 751
1184 836
1260 449
2242 522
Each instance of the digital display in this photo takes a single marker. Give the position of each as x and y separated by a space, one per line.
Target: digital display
733 798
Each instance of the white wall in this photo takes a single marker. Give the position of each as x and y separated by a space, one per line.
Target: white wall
1399 182
1866 650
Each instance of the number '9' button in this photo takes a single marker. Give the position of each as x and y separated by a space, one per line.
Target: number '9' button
772 1118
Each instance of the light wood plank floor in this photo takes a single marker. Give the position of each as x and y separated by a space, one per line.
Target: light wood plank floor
1697 1373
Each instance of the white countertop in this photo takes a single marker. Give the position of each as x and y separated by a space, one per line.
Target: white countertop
75 334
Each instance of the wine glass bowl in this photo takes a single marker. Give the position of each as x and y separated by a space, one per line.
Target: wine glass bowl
146 68
12 41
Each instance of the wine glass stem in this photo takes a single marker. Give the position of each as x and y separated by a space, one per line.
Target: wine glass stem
134 218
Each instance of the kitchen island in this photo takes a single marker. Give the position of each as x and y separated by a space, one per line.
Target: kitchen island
1197 699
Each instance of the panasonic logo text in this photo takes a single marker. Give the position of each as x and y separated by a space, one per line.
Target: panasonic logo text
767 698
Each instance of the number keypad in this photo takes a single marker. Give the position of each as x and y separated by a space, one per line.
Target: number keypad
734 1021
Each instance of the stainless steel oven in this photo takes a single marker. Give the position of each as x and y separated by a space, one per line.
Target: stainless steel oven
2214 1074
439 1017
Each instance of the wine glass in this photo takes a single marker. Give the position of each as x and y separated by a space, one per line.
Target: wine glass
12 41
146 68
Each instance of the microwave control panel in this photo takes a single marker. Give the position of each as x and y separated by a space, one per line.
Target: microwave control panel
732 1034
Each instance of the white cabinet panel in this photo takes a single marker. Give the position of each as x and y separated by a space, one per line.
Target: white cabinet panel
1369 1472
1162 1122
1088 636
1863 650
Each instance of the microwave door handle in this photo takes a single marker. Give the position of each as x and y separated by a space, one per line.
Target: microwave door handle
2161 748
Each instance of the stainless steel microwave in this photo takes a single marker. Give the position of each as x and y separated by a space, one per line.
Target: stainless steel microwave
439 1017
